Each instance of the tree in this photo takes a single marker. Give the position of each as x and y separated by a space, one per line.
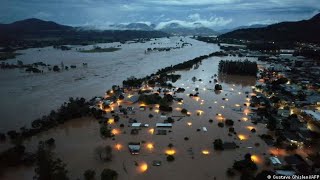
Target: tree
47 167
89 174
170 158
105 131
104 153
218 144
109 174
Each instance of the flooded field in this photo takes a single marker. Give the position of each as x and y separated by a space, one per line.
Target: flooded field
195 158
25 97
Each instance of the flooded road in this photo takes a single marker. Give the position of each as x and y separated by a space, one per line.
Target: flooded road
195 158
25 97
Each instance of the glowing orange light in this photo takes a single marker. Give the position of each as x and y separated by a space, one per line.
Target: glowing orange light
151 131
118 147
197 98
157 106
142 104
115 131
242 137
150 146
245 118
200 112
110 121
246 111
170 152
256 159
205 152
278 152
143 167
156 110
178 109
250 127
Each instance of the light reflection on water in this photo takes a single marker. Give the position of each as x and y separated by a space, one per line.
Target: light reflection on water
76 140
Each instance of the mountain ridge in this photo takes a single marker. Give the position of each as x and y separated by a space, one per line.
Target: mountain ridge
297 31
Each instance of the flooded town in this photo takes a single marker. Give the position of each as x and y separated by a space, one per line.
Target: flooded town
159 104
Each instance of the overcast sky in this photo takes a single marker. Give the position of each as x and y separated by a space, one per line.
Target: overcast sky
216 14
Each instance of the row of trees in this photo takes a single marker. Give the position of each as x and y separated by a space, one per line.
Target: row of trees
238 67
75 108
136 82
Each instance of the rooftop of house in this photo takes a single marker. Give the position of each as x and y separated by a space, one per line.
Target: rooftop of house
314 114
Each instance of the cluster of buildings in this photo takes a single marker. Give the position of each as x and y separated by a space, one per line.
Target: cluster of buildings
288 102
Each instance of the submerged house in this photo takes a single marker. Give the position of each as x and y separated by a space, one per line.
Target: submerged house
134 147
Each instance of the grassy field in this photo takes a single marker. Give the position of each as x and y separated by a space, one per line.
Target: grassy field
100 50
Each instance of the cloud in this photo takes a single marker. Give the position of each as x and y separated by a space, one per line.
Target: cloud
194 20
264 22
190 2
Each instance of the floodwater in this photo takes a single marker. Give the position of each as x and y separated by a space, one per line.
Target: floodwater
25 97
77 140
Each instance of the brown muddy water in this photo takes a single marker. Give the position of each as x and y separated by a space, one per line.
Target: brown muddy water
194 159
26 96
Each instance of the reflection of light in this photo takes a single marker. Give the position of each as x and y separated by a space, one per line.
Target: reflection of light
250 127
205 152
150 146
189 123
204 89
156 110
246 111
118 147
115 131
227 99
157 106
110 121
200 112
245 118
170 152
232 89
242 137
237 105
248 99
180 103
222 107
215 102
151 131
178 109
189 113
142 104
239 92
277 152
219 114
256 159
130 95
197 98
143 167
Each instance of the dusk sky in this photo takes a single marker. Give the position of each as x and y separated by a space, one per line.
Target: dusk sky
216 14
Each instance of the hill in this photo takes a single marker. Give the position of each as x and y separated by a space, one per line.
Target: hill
300 31
35 32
